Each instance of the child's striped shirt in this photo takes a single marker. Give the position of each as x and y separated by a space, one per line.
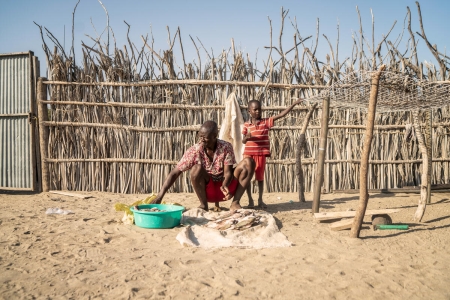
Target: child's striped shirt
259 143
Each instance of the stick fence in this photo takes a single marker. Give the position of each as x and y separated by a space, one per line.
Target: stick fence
118 120
130 145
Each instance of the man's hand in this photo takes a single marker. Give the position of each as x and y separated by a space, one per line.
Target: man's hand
157 200
226 193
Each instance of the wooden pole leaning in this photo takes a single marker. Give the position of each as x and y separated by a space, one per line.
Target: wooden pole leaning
321 156
43 133
425 186
429 145
298 156
363 190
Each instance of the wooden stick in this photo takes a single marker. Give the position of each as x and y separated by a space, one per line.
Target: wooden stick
32 121
43 134
117 160
71 194
374 162
341 225
300 147
197 127
37 152
429 145
269 161
418 215
213 82
416 190
321 156
193 82
157 105
124 127
363 194
331 215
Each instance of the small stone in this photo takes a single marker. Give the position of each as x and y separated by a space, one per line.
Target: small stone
382 219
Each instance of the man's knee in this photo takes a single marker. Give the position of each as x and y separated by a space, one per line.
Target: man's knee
250 163
247 168
196 172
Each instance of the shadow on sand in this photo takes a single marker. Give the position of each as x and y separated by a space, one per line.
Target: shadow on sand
17 192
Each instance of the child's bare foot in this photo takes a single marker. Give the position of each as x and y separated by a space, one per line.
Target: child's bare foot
217 208
261 204
251 204
235 206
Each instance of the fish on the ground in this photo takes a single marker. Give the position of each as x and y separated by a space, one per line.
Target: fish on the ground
153 209
237 220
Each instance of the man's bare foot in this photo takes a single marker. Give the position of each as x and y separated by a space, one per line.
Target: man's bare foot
261 204
217 209
204 207
235 206
251 203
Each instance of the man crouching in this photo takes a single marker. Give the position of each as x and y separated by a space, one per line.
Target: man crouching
211 163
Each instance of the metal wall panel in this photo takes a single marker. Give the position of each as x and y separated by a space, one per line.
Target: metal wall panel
15 130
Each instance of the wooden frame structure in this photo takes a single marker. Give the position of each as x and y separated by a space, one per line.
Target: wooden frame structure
120 119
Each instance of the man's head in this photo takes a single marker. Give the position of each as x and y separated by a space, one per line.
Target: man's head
254 109
208 134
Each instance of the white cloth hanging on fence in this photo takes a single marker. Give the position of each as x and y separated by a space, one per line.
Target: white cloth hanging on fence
231 127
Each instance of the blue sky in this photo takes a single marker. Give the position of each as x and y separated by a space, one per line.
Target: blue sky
216 22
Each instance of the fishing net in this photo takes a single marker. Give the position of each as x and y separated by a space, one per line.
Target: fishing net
396 92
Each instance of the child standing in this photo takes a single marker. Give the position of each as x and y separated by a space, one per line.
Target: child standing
257 145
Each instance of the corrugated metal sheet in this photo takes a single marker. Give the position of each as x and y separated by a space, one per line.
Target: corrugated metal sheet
15 131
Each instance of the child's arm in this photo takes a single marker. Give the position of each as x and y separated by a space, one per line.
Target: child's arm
287 110
246 135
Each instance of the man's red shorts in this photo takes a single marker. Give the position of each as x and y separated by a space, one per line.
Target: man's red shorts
260 161
213 192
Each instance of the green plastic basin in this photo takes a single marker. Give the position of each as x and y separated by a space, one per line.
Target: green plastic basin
169 218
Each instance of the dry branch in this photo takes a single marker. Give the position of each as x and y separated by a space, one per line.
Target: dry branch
424 178
300 150
363 190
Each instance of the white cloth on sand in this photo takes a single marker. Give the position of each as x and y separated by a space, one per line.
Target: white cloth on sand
58 211
232 125
264 235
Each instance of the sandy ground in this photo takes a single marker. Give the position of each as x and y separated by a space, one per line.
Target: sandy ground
90 254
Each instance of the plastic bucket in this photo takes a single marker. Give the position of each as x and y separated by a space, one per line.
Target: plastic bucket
169 218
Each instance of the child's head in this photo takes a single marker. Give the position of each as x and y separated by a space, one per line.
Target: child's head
254 109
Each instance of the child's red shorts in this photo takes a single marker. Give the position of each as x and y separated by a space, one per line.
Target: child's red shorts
260 161
213 192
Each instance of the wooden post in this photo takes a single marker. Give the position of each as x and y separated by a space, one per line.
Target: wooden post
32 121
321 155
43 133
298 161
363 190
429 145
424 184
37 152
